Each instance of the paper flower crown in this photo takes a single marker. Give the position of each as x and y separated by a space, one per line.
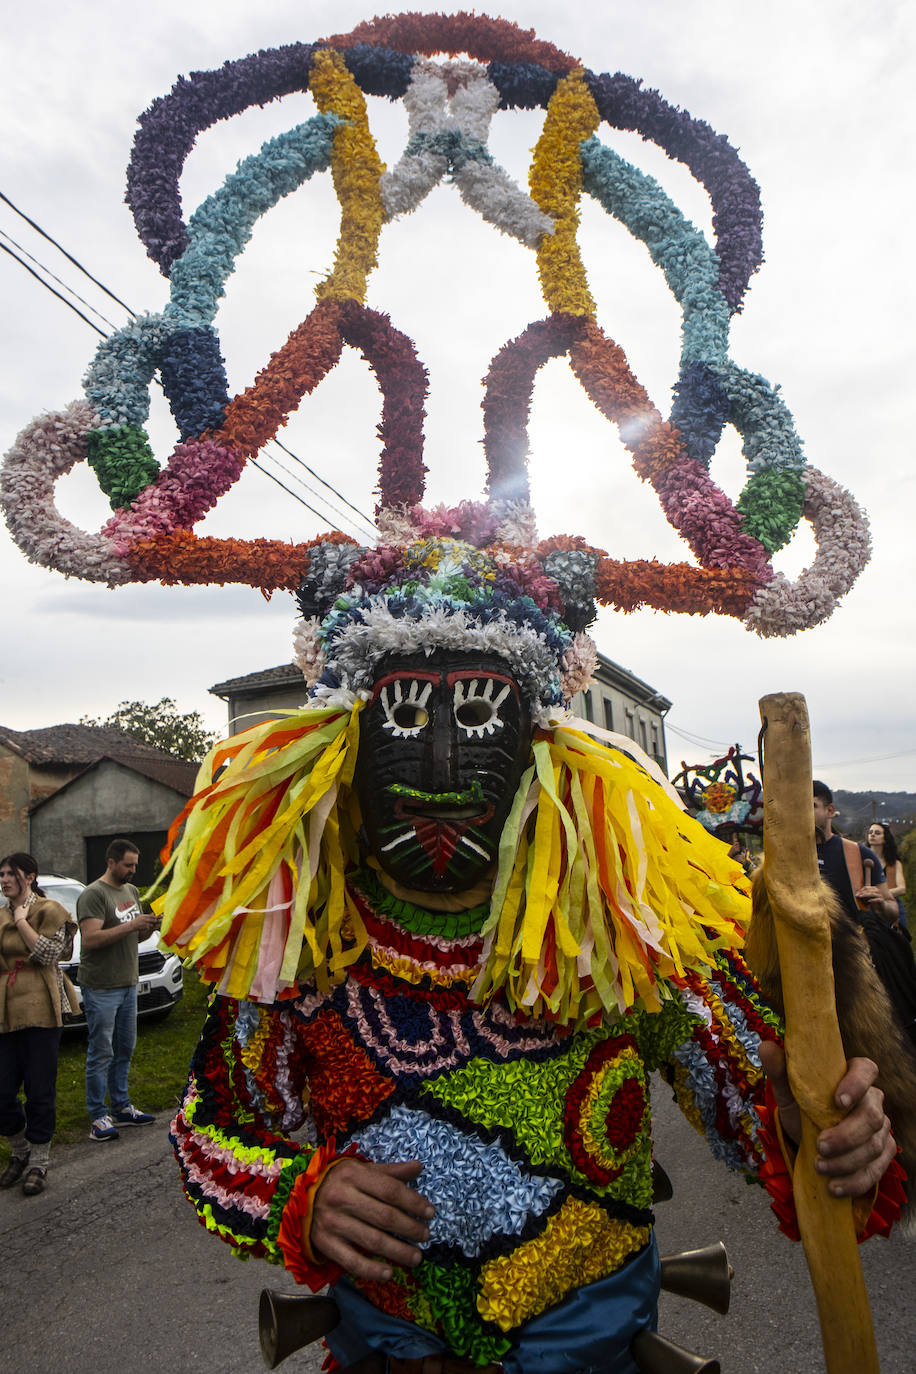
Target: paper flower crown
721 795
438 575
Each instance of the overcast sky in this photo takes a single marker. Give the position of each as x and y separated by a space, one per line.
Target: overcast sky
817 97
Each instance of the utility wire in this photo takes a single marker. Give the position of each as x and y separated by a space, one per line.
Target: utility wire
50 238
69 256
323 516
48 287
329 519
294 494
92 325
302 482
368 519
75 294
879 758
695 739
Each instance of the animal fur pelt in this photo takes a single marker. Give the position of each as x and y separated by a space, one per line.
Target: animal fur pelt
868 1024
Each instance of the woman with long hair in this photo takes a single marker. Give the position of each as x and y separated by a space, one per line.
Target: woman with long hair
35 933
881 839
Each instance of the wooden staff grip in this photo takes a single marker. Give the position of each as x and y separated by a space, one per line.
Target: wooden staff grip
814 1050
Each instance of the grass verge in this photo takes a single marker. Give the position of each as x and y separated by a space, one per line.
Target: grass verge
158 1072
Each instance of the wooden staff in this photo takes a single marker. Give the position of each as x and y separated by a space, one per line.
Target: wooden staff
814 1050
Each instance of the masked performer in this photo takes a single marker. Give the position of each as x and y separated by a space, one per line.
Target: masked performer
451 932
457 936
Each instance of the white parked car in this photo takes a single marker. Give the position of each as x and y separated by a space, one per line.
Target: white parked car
161 978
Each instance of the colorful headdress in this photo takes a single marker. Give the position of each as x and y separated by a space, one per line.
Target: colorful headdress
437 573
721 795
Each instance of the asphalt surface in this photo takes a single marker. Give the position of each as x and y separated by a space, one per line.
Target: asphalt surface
109 1270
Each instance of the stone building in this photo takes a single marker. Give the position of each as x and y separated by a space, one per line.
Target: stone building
68 790
619 701
258 696
616 700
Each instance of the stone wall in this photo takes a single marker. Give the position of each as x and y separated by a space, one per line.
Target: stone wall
250 709
107 800
14 802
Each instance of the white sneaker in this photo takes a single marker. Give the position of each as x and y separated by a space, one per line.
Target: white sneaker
132 1116
103 1128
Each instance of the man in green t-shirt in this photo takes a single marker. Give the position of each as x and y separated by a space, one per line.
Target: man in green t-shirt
111 927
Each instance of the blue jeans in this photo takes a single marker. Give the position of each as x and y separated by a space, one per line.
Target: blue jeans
111 1016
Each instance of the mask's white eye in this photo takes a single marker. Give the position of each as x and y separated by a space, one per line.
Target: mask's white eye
404 703
477 703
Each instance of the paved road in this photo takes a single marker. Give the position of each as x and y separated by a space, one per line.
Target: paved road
109 1270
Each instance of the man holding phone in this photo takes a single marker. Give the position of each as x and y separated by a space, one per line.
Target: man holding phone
112 925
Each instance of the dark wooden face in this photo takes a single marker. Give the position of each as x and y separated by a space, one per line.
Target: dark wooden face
443 745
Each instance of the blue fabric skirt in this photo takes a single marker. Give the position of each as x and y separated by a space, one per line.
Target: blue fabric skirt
588 1333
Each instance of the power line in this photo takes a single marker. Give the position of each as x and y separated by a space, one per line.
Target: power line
824 768
879 758
294 495
75 294
50 238
323 516
329 486
305 484
69 256
92 325
48 287
695 739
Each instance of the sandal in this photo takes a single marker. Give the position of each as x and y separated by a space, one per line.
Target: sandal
34 1181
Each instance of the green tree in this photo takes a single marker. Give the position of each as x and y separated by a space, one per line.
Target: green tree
162 726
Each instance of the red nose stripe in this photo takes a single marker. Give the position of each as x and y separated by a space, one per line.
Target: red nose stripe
439 839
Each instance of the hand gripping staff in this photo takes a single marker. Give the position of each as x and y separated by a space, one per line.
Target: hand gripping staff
814 1050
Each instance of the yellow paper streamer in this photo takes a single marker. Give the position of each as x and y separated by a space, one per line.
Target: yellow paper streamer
223 925
604 887
643 892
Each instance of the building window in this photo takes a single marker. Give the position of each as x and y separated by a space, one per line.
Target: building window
608 713
587 704
643 735
631 723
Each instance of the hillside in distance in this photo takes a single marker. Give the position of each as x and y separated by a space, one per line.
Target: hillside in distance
857 810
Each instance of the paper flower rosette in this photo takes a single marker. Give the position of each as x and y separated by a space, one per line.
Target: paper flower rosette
480 566
721 795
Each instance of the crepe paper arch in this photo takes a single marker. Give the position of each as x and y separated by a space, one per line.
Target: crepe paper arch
450 106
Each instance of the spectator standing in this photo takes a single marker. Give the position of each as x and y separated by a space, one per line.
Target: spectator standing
844 865
34 934
111 926
739 851
882 840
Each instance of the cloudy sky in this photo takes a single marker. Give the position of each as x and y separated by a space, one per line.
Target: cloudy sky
817 97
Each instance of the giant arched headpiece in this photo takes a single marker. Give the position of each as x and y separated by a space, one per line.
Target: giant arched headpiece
479 565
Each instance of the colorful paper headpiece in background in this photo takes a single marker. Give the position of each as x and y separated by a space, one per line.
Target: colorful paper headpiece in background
479 564
721 796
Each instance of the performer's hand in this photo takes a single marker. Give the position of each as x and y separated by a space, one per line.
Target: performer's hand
879 902
365 1210
857 1150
